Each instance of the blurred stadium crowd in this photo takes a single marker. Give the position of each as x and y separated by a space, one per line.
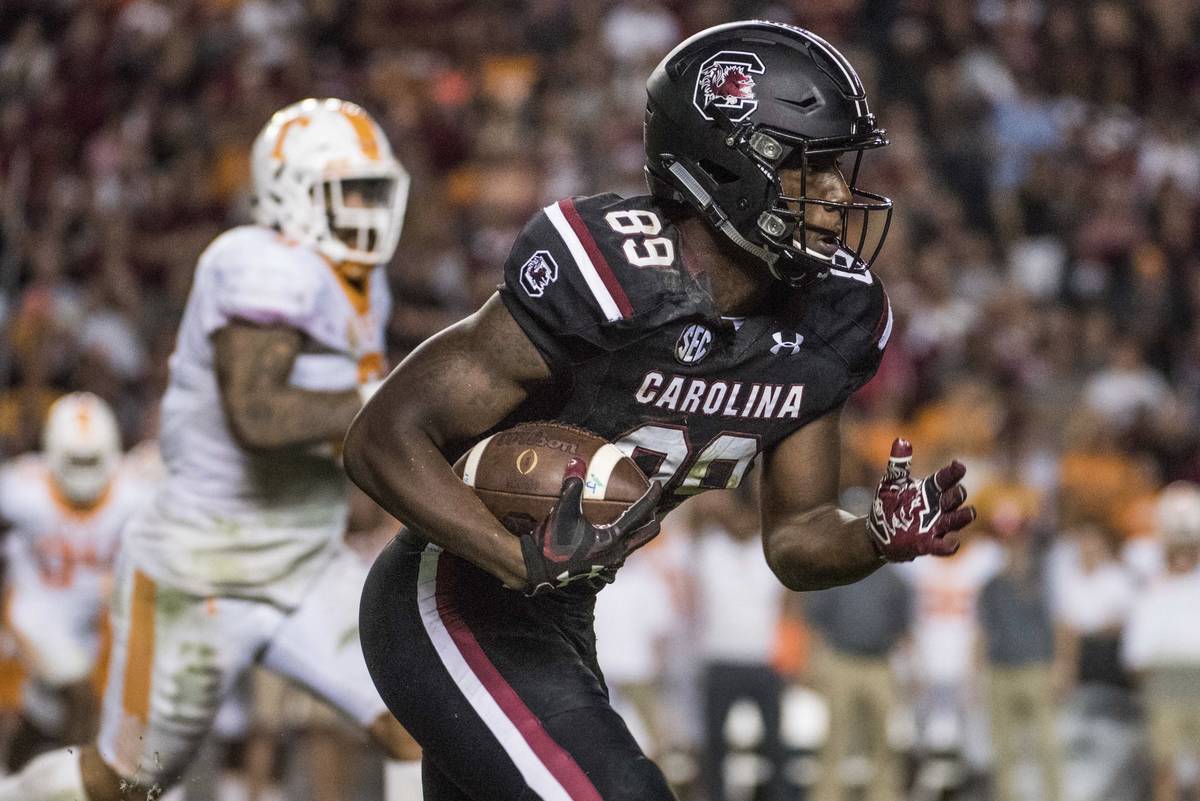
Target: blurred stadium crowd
1042 266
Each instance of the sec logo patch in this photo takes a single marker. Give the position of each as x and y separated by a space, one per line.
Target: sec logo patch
693 344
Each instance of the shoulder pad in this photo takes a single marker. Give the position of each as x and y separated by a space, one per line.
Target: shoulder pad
259 277
586 270
854 317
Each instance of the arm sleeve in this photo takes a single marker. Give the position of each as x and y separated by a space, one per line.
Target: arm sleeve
548 296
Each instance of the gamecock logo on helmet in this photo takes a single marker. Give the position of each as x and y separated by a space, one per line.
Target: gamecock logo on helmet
725 81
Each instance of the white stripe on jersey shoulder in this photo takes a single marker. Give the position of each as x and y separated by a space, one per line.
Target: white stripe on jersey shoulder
584 262
887 328
600 471
473 457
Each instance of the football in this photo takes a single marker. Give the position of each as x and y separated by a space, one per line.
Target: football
518 474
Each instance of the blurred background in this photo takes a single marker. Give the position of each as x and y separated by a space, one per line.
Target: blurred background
1042 266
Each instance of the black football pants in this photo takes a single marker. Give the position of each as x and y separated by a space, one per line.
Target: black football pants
502 691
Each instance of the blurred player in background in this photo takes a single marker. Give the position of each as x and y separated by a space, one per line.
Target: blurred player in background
724 317
1016 630
240 556
1162 642
64 508
945 633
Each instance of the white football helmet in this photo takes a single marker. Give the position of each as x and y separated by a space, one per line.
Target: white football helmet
324 175
1178 512
82 446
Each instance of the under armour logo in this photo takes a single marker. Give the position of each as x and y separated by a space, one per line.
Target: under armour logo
781 343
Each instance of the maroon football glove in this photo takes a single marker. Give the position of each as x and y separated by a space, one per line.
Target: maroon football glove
911 518
566 548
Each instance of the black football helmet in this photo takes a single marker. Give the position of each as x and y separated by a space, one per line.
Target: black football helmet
732 106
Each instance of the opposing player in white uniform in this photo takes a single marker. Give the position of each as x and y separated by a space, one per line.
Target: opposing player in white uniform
239 557
64 508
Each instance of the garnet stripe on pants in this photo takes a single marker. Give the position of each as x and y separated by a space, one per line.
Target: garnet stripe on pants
544 765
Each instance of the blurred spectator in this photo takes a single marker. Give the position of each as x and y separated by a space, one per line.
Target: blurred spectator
1095 594
633 619
1018 638
26 61
1162 646
858 626
640 32
1127 388
739 604
945 633
1175 514
1099 482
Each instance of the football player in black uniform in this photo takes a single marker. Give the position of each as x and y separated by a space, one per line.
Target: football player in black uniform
723 318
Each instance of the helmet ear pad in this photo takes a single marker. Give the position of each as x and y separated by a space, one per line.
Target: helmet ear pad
740 193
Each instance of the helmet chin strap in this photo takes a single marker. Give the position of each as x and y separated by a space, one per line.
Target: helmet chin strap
713 213
758 251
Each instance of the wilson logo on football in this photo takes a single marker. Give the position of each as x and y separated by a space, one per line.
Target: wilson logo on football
539 272
725 81
693 343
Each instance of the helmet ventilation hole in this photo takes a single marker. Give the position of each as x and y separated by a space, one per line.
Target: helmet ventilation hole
810 102
717 172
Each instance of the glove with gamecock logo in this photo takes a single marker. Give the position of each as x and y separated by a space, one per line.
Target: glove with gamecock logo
566 547
912 517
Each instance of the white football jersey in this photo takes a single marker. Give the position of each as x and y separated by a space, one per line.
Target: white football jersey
230 522
945 595
54 549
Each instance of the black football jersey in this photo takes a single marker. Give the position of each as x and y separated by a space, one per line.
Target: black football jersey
642 357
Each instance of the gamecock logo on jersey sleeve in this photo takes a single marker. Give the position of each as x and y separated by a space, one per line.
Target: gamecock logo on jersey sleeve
726 82
539 272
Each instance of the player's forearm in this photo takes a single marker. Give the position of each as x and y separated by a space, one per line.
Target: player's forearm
283 417
253 364
402 469
823 547
451 389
